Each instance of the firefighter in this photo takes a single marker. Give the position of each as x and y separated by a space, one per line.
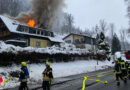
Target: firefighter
47 77
24 75
123 70
129 71
118 71
118 57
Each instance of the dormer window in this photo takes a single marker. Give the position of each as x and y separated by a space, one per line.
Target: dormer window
32 30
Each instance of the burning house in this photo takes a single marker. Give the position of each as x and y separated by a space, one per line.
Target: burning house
26 34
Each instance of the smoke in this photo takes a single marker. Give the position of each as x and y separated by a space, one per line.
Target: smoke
43 12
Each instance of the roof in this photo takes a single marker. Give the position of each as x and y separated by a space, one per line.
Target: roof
11 40
76 34
12 26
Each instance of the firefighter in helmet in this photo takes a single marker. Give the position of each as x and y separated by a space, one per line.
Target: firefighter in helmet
47 77
118 56
117 71
24 75
128 69
123 70
120 68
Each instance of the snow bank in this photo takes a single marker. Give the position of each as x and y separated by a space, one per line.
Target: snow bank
59 70
64 49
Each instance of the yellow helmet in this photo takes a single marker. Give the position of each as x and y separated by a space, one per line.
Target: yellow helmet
23 63
116 60
48 63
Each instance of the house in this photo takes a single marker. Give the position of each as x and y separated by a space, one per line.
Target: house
20 34
81 41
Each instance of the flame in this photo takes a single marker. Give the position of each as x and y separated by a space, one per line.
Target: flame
30 22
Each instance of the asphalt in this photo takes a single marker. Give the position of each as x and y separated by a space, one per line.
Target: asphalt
112 85
93 85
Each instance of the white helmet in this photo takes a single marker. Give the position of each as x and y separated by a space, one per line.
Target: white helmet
118 54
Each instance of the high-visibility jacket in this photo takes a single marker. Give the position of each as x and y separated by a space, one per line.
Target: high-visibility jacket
47 74
118 60
123 65
118 68
127 65
129 68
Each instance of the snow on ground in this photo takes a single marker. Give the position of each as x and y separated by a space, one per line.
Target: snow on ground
61 69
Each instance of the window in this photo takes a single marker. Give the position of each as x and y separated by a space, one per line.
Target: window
20 28
46 33
68 41
82 40
88 40
38 44
77 41
38 32
49 33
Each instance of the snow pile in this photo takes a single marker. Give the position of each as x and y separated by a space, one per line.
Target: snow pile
64 49
59 70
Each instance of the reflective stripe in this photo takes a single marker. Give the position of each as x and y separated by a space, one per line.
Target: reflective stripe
45 78
118 72
123 66
22 71
24 80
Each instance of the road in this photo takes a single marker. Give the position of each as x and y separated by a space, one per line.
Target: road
92 85
110 86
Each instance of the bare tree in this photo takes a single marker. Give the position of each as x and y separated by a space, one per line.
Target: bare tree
123 38
13 7
103 26
112 28
70 21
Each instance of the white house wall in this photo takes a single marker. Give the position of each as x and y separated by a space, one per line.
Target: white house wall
88 47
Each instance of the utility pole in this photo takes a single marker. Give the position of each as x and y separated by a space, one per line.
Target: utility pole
96 29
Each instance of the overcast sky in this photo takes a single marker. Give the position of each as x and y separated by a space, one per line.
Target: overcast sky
87 13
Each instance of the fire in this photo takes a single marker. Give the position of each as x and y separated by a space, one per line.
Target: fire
30 22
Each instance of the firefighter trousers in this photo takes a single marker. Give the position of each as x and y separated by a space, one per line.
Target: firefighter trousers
124 74
118 77
46 85
129 73
23 86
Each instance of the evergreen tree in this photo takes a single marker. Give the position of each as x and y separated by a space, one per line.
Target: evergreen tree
116 46
103 45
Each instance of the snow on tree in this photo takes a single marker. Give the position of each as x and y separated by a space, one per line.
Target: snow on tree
103 46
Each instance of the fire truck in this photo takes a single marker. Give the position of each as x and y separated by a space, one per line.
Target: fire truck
127 56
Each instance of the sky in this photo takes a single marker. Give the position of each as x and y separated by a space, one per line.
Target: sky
88 13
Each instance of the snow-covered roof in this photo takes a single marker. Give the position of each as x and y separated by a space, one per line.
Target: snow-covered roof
12 26
11 40
76 34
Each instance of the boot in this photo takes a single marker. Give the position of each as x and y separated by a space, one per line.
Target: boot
118 83
125 81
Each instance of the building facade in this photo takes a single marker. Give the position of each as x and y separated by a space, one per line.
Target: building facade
81 41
